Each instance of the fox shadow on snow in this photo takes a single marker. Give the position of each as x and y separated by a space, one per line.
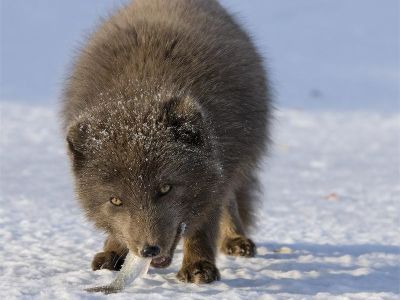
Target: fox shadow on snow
330 274
335 269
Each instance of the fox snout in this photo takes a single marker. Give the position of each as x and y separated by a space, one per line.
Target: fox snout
150 251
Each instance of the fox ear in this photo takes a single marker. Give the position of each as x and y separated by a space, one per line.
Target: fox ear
185 119
76 140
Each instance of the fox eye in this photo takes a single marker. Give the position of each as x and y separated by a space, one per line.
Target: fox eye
115 201
165 189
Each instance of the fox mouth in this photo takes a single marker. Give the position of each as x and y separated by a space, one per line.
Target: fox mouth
161 261
164 261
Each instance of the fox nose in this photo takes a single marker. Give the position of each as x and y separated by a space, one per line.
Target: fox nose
150 251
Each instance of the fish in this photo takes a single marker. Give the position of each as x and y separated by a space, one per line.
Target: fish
134 267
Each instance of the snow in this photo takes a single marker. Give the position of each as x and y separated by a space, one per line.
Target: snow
329 226
321 53
328 54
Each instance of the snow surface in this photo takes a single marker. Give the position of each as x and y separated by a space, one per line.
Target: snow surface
321 53
331 196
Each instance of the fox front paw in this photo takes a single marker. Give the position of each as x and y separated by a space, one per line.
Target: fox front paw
107 260
240 246
199 272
